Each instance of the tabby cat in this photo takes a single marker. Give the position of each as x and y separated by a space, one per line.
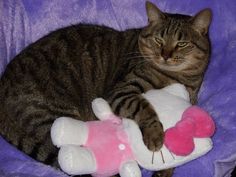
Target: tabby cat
61 73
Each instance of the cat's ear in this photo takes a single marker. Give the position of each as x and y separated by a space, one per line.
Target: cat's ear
201 21
154 14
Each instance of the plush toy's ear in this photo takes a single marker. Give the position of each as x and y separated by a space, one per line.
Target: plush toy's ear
101 108
178 90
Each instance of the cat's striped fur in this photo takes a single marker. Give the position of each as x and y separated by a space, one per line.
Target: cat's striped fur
60 74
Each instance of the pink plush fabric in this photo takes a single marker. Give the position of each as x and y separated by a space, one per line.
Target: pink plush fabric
195 122
109 146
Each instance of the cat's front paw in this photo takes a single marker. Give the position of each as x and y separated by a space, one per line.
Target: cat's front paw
153 134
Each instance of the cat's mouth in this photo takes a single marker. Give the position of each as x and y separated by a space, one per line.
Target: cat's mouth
171 64
170 61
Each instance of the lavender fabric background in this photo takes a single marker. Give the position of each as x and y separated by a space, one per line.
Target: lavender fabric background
25 21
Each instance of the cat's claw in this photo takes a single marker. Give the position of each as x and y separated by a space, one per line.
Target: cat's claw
153 136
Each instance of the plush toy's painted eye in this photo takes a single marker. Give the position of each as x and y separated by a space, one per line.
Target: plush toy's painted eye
182 44
158 41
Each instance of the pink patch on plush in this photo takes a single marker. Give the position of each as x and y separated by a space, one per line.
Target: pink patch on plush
109 145
195 122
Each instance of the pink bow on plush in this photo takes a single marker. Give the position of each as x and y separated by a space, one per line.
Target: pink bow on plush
195 123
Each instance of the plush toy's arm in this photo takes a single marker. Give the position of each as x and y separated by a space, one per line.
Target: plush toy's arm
101 109
130 169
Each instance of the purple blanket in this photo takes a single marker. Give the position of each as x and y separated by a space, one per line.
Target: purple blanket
24 21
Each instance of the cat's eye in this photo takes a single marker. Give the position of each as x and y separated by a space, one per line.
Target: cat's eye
182 44
158 41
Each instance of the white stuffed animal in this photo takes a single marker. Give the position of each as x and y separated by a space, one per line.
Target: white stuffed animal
114 145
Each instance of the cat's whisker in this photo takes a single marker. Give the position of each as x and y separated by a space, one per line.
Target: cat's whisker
134 57
140 63
141 56
146 60
132 53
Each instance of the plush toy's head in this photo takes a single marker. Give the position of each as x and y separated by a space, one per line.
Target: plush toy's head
181 122
169 103
187 131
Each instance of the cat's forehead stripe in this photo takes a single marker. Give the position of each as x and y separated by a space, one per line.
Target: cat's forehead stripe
174 30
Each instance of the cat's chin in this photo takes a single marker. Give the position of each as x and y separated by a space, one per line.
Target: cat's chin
171 66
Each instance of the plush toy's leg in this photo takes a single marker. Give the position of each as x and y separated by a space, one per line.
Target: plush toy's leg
76 160
69 131
130 169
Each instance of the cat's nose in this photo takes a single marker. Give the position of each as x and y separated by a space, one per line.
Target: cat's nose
165 57
166 54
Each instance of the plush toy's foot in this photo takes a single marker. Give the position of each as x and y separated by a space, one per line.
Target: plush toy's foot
130 169
66 130
76 160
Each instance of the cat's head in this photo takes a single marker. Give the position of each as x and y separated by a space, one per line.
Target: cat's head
175 42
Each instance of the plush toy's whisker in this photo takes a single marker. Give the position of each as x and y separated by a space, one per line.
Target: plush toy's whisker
163 160
152 157
172 155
